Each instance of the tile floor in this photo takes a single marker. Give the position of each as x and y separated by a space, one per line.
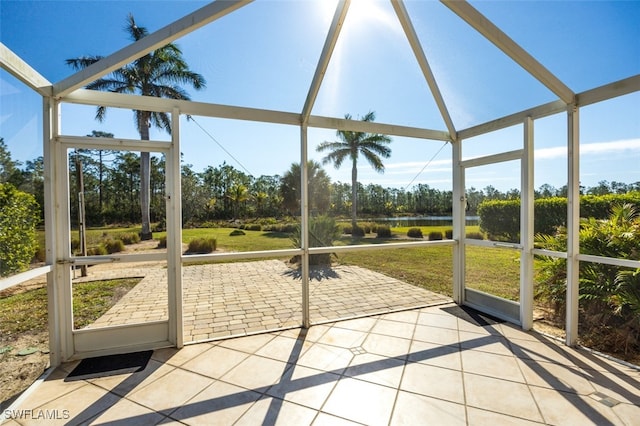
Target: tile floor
440 365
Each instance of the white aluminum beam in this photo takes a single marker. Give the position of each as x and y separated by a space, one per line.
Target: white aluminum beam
492 159
418 51
112 143
21 277
304 225
325 57
153 104
550 253
609 91
623 263
61 238
535 113
459 222
573 225
526 227
174 234
149 103
386 246
115 258
503 42
18 68
239 255
54 313
162 37
374 127
493 244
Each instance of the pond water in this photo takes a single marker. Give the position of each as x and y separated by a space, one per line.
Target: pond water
407 221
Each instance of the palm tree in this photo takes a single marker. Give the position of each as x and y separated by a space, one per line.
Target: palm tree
238 194
318 183
158 73
351 144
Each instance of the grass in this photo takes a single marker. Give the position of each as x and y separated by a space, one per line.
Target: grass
92 299
426 267
495 271
27 312
23 312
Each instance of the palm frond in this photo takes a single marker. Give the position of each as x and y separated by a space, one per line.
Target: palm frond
82 62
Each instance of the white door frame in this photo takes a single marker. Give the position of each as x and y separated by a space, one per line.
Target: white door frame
83 343
521 312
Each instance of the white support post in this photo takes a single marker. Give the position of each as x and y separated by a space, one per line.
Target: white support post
526 227
573 225
304 226
54 314
459 222
60 234
174 234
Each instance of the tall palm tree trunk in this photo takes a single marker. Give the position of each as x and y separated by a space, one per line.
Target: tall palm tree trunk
145 185
354 195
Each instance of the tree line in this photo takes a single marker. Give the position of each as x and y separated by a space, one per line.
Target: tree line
222 193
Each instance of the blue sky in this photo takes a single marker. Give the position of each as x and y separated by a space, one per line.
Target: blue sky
264 55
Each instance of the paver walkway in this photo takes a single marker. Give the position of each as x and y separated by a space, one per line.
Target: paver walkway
246 297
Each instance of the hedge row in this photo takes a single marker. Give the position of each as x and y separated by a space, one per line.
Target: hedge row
500 219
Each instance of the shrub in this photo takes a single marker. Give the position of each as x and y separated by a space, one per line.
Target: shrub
285 228
128 238
383 231
41 254
160 226
253 227
209 224
97 251
414 233
113 246
202 245
237 232
357 231
267 221
448 234
435 236
322 232
75 245
609 296
19 215
500 219
369 227
289 228
474 236
346 229
162 242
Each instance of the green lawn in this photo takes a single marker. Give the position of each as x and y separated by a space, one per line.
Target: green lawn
27 311
492 270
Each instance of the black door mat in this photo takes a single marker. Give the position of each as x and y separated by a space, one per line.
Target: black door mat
110 365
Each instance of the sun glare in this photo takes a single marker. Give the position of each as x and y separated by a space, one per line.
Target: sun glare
365 13
362 14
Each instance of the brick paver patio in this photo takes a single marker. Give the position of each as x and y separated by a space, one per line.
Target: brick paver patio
246 297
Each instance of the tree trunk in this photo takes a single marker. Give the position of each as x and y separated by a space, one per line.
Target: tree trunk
145 185
354 195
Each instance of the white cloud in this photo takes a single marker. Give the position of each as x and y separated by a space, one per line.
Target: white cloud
590 149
